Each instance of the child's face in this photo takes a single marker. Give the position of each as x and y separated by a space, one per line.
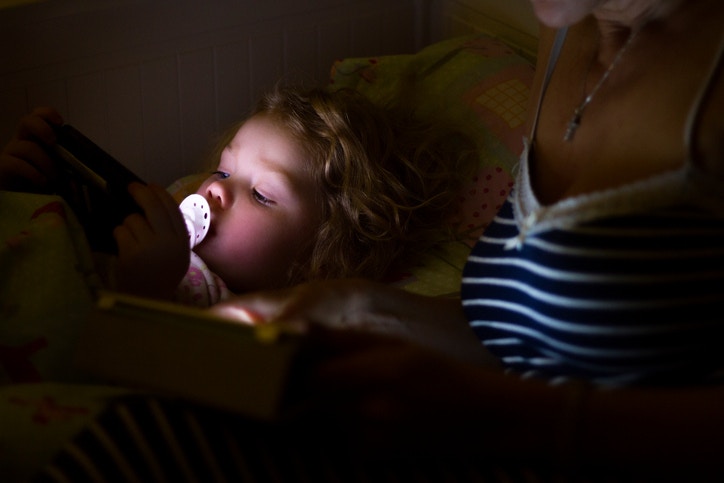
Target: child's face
263 205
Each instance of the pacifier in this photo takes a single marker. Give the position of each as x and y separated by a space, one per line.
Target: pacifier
196 213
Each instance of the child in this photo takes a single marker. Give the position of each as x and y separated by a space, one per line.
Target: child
315 184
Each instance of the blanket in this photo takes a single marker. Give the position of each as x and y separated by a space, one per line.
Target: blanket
46 292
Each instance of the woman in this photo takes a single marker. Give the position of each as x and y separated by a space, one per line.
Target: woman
611 341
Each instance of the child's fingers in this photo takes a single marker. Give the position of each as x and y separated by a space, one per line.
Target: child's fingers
173 212
37 125
133 230
50 114
34 155
125 240
160 209
151 205
26 161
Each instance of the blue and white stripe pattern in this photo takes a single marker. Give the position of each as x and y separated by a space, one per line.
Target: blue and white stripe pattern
628 298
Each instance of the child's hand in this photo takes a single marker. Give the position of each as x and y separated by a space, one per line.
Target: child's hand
153 249
25 164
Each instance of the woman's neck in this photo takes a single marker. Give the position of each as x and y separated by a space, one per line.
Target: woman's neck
618 19
632 14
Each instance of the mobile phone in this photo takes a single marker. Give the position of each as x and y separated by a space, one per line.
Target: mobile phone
95 185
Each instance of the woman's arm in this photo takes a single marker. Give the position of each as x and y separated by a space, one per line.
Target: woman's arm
393 397
435 322
430 392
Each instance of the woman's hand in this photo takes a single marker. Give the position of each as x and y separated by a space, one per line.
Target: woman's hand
25 162
153 248
349 303
365 306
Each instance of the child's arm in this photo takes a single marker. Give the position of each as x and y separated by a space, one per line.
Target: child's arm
25 162
153 248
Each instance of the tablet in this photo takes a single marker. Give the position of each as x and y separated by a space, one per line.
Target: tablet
95 185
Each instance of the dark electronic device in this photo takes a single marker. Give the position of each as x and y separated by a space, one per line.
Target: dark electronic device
95 185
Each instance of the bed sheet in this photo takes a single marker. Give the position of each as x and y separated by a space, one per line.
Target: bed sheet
46 291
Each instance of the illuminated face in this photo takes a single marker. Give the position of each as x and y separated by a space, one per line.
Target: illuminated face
264 208
559 13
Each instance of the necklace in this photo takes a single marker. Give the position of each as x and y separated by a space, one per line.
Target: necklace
578 112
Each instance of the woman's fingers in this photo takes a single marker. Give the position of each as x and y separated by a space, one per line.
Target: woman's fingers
253 308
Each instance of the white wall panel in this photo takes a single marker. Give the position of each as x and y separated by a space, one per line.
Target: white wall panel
233 82
125 114
334 42
14 105
511 20
197 106
299 43
87 106
151 81
48 93
161 121
266 63
367 34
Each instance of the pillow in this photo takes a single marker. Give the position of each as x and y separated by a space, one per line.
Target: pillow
480 82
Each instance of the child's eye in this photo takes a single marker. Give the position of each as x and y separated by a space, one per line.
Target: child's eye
221 174
261 198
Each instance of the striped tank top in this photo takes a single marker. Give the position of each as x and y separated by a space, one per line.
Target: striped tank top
621 286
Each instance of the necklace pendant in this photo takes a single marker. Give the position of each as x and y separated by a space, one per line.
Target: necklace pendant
572 126
576 119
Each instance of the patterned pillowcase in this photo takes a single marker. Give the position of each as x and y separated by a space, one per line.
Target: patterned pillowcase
477 81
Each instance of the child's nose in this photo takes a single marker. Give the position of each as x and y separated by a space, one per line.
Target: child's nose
217 195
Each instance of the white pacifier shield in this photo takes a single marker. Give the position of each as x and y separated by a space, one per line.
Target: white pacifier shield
195 210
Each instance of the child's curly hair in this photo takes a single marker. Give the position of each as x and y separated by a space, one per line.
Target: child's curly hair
388 180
